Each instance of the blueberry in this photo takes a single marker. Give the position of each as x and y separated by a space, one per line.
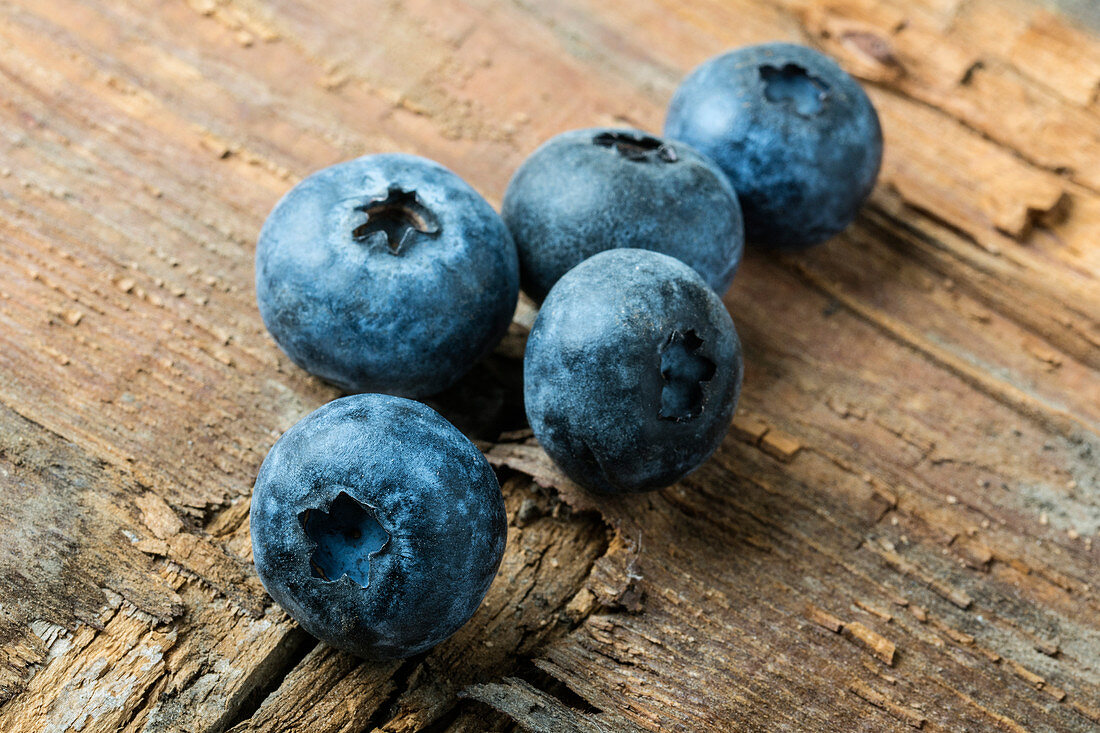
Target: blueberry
387 273
377 525
587 191
632 371
797 136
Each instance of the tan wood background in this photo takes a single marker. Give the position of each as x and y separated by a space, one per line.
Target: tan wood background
899 532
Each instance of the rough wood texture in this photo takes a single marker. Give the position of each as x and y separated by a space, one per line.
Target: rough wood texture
899 531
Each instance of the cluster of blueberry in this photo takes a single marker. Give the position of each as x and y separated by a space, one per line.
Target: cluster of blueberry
375 522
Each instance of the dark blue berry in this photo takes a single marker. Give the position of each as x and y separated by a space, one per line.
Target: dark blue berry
797 136
387 273
377 525
632 371
587 191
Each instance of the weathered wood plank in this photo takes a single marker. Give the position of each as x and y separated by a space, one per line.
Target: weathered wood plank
898 533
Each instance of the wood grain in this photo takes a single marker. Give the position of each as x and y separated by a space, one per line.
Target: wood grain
898 532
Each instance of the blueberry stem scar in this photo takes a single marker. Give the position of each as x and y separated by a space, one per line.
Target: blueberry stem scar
684 371
636 147
398 215
347 537
791 83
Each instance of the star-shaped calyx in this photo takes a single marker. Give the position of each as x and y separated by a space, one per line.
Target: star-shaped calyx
347 537
399 216
795 86
637 147
684 371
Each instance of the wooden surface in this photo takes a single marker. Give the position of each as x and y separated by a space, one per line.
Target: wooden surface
899 532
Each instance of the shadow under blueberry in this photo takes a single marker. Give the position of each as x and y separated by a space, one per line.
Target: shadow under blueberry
488 400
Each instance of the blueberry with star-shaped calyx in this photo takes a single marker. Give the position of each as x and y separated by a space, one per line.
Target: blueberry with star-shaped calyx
632 372
587 191
387 273
377 525
797 136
